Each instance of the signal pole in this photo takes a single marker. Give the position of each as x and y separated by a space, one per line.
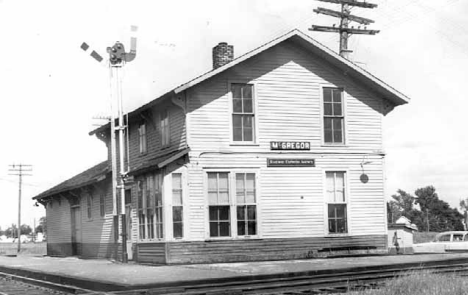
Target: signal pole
345 17
19 170
117 59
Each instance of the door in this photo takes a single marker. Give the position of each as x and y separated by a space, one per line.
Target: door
128 223
76 230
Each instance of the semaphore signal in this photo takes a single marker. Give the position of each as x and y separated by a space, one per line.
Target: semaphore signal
118 57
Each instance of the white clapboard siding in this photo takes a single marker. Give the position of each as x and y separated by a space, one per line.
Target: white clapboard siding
154 149
58 222
292 201
288 83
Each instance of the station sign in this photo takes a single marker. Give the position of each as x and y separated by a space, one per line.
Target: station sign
290 162
290 145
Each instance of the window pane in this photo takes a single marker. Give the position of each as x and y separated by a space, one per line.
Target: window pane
223 182
332 226
248 121
223 212
214 229
223 198
327 95
177 213
241 228
177 197
337 109
251 213
327 123
337 124
240 212
236 90
212 198
213 213
237 105
212 182
336 95
178 230
339 187
252 228
337 136
327 109
328 136
341 226
224 230
248 107
176 181
237 134
247 91
248 134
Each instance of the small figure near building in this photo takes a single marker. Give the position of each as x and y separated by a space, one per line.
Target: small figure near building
400 236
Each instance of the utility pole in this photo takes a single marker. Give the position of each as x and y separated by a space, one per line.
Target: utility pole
345 17
117 59
20 170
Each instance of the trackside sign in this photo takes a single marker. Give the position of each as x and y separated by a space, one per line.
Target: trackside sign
289 145
290 162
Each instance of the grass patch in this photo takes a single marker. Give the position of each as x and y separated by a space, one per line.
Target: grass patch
26 248
423 237
421 283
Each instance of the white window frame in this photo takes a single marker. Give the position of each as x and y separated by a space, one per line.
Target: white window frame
164 128
183 205
233 202
347 201
254 142
144 206
345 116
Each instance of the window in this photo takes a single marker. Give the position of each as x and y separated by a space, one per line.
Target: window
102 204
150 207
336 198
220 200
177 206
243 115
165 135
246 205
89 202
142 138
333 115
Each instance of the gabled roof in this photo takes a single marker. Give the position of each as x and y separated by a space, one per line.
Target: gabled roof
90 176
325 53
322 51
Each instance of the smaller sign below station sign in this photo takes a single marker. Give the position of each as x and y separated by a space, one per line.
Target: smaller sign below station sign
289 145
290 162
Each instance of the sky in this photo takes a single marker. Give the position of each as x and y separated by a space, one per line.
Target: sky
51 92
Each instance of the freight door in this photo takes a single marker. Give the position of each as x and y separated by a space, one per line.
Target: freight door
76 230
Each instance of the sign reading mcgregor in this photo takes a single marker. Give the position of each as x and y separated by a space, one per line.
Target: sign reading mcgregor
290 162
289 145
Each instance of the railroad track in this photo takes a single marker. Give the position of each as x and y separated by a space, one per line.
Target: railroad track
307 284
289 284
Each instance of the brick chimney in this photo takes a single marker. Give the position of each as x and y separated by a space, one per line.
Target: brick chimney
222 54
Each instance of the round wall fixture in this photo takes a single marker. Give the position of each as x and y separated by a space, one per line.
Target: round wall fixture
364 178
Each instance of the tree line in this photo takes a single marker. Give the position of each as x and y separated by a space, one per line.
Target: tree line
426 210
12 231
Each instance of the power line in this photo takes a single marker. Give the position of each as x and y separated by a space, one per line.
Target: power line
345 17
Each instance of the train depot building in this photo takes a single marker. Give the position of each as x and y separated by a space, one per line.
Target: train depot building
276 154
